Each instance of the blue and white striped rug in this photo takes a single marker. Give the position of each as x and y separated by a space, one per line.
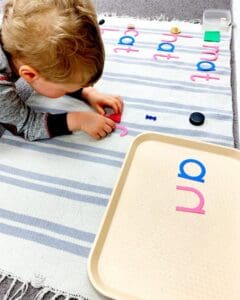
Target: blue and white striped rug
54 193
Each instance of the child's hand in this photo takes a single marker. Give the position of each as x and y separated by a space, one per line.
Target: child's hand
99 100
94 124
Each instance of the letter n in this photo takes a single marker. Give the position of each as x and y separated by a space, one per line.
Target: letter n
199 208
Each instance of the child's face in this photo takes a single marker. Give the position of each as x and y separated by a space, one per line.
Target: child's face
52 89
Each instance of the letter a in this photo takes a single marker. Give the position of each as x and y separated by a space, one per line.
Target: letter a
183 174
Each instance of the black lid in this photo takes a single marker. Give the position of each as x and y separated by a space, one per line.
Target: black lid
197 118
101 22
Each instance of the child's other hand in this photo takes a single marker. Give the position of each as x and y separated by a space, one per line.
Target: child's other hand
94 124
99 100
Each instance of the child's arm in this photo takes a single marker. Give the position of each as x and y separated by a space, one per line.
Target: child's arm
92 123
19 118
22 120
101 100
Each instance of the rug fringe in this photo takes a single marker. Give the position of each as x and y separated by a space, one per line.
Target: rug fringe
22 290
12 285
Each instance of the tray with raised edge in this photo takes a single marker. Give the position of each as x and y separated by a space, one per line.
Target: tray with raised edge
171 230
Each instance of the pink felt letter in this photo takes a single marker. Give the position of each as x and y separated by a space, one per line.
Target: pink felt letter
175 37
167 56
199 208
207 77
136 33
107 29
129 49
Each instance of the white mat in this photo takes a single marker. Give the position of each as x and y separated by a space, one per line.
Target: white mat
54 193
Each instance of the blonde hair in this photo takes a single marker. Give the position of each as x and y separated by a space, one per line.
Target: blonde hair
58 38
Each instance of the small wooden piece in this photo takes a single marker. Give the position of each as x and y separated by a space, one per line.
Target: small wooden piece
175 30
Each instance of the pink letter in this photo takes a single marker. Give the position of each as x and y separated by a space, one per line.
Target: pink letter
107 29
198 209
168 56
214 52
207 77
129 49
175 37
214 58
131 30
216 48
123 129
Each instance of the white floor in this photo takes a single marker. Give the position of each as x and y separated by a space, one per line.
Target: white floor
236 31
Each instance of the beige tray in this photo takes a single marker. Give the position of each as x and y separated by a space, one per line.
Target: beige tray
166 236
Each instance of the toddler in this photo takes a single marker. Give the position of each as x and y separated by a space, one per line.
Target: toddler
56 47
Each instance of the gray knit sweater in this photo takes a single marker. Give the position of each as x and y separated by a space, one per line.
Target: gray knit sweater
19 118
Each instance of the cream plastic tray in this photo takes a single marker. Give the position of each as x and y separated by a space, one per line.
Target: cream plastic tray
172 227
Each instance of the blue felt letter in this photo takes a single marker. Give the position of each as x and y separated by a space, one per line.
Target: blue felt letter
129 40
167 47
183 174
204 67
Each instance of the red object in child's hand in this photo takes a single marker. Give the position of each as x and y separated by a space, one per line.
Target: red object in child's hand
115 117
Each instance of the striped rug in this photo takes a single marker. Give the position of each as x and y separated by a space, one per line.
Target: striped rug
54 193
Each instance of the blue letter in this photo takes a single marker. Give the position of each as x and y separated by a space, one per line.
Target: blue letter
183 174
130 40
167 47
204 62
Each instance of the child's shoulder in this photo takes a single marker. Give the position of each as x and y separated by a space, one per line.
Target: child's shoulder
5 69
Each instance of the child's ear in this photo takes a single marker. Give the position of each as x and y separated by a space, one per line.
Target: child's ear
28 73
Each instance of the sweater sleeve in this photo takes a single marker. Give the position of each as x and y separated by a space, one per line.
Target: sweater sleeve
57 124
18 117
77 94
22 120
